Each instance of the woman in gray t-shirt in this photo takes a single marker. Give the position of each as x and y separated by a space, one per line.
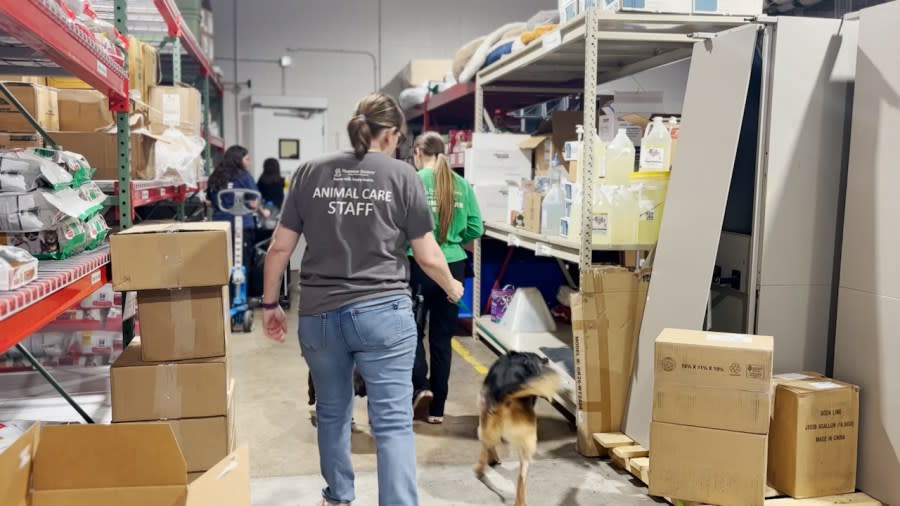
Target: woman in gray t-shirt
359 211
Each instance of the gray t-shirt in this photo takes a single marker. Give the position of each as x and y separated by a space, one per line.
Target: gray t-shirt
358 217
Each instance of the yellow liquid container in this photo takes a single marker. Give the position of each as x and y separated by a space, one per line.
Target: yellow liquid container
650 191
622 214
599 160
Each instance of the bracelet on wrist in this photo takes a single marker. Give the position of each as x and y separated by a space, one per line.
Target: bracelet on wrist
269 305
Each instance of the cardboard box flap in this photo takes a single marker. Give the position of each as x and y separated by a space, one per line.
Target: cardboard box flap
226 483
533 142
107 456
610 279
15 467
199 226
716 339
815 384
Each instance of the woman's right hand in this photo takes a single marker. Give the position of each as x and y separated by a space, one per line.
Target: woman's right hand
456 291
275 324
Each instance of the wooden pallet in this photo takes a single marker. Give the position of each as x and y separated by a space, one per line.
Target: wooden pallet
625 454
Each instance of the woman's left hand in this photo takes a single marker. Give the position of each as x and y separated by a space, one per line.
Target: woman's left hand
265 212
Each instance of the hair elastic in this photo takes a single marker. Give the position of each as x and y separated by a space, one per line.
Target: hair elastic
362 117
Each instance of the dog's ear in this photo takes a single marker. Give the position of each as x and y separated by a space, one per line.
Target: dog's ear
545 360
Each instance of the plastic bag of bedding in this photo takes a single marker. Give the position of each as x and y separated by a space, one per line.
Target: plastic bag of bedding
22 171
412 97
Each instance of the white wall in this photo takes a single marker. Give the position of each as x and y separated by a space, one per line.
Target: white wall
410 29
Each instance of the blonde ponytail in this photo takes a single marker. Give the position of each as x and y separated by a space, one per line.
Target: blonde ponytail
444 195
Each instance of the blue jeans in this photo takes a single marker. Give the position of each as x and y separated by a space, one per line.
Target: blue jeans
379 335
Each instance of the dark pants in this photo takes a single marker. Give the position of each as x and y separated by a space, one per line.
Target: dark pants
442 324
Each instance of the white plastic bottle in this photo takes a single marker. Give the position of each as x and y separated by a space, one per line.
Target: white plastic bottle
656 147
553 208
619 159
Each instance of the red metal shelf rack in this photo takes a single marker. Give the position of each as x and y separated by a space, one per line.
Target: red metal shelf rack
178 28
42 25
60 285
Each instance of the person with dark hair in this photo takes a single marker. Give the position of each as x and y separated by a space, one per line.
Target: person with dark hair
271 183
232 171
359 211
457 222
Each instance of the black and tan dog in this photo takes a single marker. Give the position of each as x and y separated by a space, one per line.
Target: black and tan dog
507 401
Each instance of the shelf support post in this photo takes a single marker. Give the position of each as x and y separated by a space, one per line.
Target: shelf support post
592 38
207 160
50 379
123 138
477 253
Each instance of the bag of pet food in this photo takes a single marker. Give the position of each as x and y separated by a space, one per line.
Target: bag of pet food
500 302
22 171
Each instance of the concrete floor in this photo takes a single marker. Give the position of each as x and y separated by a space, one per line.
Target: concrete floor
272 416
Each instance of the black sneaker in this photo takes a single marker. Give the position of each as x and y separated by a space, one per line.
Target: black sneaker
421 403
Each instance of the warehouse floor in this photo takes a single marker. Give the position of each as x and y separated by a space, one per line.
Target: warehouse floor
273 417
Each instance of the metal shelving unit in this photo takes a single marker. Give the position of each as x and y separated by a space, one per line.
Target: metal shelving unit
39 39
595 48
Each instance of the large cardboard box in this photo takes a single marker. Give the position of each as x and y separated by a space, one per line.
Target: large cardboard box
606 318
20 141
541 147
714 380
143 391
24 79
707 465
171 255
40 101
855 499
492 202
497 159
68 83
532 214
114 465
84 111
813 438
418 72
183 323
205 441
101 151
175 106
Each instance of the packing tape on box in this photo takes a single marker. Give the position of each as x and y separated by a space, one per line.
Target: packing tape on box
168 395
184 321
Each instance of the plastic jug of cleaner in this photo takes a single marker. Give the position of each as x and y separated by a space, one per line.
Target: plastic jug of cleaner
674 126
600 161
656 147
553 208
619 159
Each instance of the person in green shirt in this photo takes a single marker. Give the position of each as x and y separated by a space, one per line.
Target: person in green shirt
457 222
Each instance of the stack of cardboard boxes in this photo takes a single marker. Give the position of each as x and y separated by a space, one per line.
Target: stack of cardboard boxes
177 372
40 100
711 407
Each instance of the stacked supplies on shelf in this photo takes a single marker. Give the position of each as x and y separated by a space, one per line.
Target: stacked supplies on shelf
49 206
88 335
177 372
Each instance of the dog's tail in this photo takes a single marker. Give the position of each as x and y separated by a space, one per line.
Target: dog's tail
548 384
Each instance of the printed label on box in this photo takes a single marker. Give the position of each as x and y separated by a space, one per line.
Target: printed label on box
824 385
171 109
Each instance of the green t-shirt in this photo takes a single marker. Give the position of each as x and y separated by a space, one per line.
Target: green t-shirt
466 225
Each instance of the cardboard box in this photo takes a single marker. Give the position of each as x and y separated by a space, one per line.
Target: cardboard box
728 7
183 323
24 79
20 141
84 111
713 380
68 83
171 255
114 465
813 437
101 151
855 499
532 213
606 318
497 159
175 106
40 101
492 200
204 441
541 147
144 391
707 465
